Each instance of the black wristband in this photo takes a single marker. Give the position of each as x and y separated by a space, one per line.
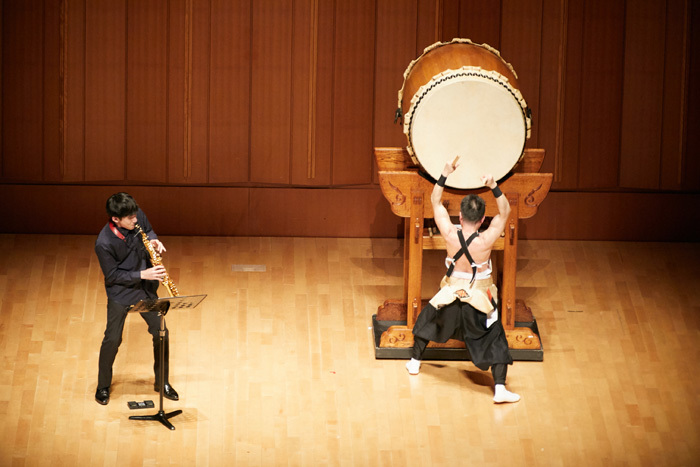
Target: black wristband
496 192
441 181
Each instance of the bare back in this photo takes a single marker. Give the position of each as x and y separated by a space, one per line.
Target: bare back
480 248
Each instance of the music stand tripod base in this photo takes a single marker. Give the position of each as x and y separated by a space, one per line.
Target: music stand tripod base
162 306
161 416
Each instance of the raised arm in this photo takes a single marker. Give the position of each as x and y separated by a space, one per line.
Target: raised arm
498 223
442 217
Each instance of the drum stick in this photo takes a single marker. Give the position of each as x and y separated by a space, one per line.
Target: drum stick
454 162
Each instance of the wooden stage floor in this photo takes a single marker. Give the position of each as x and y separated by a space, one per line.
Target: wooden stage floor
277 365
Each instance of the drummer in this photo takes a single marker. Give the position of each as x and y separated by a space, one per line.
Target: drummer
465 308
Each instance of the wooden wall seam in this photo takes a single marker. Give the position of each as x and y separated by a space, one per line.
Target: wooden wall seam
2 94
250 93
167 93
43 92
684 91
313 83
207 145
580 107
187 150
331 172
63 40
561 93
126 91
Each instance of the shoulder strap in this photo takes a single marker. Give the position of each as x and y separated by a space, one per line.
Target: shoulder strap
463 251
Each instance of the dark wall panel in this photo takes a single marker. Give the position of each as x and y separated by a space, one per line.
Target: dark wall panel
356 212
304 80
271 96
521 36
674 93
22 97
314 167
601 93
230 92
178 53
690 174
312 92
73 112
397 32
613 216
548 118
52 91
428 24
164 95
642 100
105 90
480 21
195 162
396 39
147 91
449 24
334 213
353 92
567 170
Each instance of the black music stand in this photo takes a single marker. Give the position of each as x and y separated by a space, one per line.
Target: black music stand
162 306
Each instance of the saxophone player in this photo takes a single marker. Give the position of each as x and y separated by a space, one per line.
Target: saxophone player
129 278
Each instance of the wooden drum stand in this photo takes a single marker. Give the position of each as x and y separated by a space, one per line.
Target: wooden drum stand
408 193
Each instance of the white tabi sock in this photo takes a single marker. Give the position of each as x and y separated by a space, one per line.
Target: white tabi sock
501 394
413 366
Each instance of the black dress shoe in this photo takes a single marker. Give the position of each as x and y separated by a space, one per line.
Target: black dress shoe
102 396
168 391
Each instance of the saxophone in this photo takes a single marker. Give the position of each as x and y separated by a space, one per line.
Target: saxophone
156 260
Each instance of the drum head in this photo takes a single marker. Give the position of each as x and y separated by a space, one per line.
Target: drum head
471 116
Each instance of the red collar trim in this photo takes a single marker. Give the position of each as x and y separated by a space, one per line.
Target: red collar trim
116 231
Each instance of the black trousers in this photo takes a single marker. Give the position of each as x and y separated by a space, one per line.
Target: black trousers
116 316
498 370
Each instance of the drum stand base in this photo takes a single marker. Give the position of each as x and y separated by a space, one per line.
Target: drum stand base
394 340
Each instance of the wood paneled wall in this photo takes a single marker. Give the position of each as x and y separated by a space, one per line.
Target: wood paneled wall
278 98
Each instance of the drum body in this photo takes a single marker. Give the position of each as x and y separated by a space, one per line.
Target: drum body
462 99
